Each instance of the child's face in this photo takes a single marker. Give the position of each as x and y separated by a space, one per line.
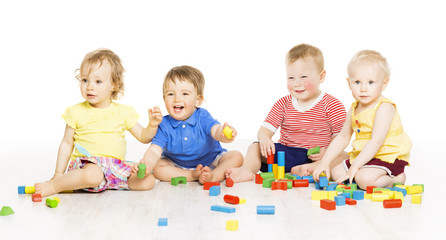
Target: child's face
366 83
303 80
97 87
181 99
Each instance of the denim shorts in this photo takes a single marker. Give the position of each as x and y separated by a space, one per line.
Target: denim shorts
293 156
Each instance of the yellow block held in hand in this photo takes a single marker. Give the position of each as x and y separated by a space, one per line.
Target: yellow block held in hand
227 132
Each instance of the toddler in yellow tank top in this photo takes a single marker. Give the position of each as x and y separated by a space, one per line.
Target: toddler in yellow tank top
381 148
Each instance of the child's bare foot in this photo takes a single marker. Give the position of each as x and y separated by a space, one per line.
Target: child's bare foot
304 169
45 189
206 175
196 173
239 174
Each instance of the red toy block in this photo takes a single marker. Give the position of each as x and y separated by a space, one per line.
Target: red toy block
345 187
270 159
259 179
208 185
229 182
231 199
301 183
279 186
392 203
350 201
36 197
328 204
370 189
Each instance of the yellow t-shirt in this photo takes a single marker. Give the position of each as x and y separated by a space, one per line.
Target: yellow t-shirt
396 145
101 131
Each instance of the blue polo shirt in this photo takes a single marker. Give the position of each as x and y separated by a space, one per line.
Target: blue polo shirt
188 143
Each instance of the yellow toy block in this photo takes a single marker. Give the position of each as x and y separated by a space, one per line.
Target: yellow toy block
416 199
411 189
368 196
319 195
227 132
399 195
332 194
379 197
30 190
275 170
280 172
232 225
391 194
241 201
402 186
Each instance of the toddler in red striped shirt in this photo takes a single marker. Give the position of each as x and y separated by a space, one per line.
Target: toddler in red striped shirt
307 118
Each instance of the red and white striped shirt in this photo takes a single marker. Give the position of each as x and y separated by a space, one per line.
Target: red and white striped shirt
306 128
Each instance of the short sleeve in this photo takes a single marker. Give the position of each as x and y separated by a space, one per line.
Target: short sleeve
277 112
161 137
70 117
336 113
131 117
207 121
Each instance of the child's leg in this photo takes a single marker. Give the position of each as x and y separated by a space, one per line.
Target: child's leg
230 160
89 176
251 165
138 184
376 177
307 169
164 171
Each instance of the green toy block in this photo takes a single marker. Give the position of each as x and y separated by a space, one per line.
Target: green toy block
397 184
52 202
314 150
175 180
422 185
266 175
6 211
353 186
141 170
267 182
349 191
380 189
339 189
289 176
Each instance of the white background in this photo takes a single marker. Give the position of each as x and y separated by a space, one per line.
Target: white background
240 46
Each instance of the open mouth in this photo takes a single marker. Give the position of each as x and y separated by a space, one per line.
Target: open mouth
91 95
299 91
178 108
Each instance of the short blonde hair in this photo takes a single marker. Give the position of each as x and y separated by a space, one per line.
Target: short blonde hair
98 56
369 57
185 73
301 51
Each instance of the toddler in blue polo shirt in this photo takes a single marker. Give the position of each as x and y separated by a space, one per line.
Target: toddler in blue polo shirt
188 139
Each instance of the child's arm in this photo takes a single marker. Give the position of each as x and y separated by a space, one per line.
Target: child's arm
336 146
218 135
383 119
151 157
267 147
65 150
145 135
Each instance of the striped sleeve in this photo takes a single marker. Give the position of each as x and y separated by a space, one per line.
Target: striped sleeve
277 112
336 113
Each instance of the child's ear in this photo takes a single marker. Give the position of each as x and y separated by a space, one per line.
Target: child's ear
385 82
322 76
199 101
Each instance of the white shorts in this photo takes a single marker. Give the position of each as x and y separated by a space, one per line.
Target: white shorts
212 165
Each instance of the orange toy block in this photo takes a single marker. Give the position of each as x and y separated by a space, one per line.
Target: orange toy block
301 183
392 203
208 185
231 199
328 204
36 197
259 179
279 186
370 189
229 182
350 201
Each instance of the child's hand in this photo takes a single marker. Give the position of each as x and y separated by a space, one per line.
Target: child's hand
135 167
322 168
317 156
267 147
155 116
350 175
225 134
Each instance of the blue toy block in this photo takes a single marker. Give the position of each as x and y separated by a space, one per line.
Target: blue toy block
270 168
340 200
297 177
219 208
358 195
162 221
317 186
281 158
402 190
309 178
332 187
323 182
347 195
214 191
266 209
21 189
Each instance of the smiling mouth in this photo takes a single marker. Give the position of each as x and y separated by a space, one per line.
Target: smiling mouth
299 91
177 108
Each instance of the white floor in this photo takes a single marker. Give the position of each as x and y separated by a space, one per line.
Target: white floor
134 215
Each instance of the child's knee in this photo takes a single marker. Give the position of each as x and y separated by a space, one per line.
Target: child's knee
364 180
93 176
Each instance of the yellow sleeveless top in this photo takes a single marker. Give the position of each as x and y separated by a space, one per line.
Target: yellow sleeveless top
396 145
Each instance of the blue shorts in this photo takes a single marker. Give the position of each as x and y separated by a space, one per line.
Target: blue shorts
293 156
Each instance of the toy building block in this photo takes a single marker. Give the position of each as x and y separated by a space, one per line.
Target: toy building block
266 175
370 189
270 159
52 202
162 221
275 170
141 170
392 203
280 172
391 194
414 189
331 186
281 158
267 182
289 182
301 183
379 197
208 185
219 208
291 176
353 186
368 196
214 191
270 168
422 186
319 195
259 179
358 195
332 195
229 182
350 201
402 190
279 185
314 150
30 189
242 201
297 177
317 186
328 204
231 199
232 225
37 197
183 180
309 178
394 184
340 200
6 211
348 191
399 195
227 131
416 199
21 189
266 209
346 194
323 182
